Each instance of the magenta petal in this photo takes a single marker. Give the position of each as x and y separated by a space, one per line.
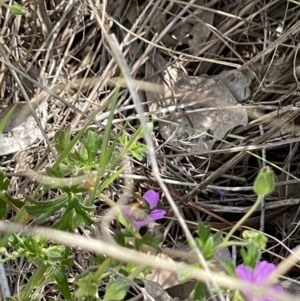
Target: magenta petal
250 298
262 271
244 273
152 197
127 211
140 224
259 276
157 214
278 288
264 299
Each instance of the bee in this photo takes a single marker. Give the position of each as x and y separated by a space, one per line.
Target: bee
140 208
141 202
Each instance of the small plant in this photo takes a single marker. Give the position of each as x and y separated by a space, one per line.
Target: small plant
252 270
15 8
86 166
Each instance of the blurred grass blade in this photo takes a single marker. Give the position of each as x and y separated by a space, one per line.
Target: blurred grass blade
106 151
7 118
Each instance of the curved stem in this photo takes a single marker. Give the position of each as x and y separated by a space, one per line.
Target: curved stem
244 218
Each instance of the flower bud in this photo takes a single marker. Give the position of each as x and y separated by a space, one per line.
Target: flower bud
265 181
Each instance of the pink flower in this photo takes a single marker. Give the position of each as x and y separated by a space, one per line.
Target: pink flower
152 198
259 275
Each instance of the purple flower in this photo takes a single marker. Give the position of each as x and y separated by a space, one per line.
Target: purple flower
259 275
140 217
221 192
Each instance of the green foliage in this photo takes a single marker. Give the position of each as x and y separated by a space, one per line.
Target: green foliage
208 249
75 214
62 284
7 201
8 115
229 267
250 254
37 250
4 183
198 293
62 139
136 149
203 233
86 165
17 9
78 159
206 241
86 287
116 289
86 156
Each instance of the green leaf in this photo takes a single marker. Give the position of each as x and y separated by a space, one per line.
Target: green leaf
86 287
77 157
10 201
98 259
243 253
31 201
6 118
105 154
116 290
17 9
203 232
35 249
46 209
82 213
3 209
136 155
54 172
92 144
208 249
7 200
229 267
251 255
74 190
217 238
62 284
120 239
123 139
138 244
66 222
138 150
66 169
111 179
67 260
198 293
62 139
153 242
123 220
4 183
